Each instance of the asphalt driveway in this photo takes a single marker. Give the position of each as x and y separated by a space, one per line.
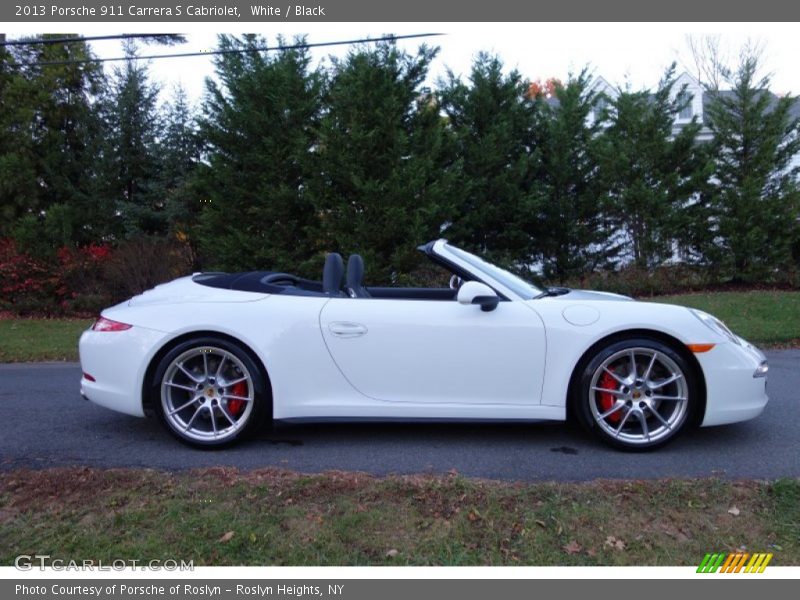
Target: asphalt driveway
46 423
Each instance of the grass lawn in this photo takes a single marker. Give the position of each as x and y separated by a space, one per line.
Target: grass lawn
40 339
771 318
223 517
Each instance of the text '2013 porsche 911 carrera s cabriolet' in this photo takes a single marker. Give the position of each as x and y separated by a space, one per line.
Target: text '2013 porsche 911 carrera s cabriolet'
215 355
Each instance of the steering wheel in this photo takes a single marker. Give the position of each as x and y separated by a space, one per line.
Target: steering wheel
280 279
455 282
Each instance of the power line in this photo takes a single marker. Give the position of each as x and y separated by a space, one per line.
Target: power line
235 50
75 40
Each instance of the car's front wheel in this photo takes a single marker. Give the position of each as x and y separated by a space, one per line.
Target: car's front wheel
637 394
209 392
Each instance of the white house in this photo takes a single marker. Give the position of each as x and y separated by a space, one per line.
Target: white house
700 99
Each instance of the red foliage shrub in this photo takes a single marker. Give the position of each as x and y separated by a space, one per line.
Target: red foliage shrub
82 273
80 281
27 284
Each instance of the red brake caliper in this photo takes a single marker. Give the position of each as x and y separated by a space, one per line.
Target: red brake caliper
235 406
607 382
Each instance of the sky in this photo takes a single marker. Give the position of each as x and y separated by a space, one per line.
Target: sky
632 53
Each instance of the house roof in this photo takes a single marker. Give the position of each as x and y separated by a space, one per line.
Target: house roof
708 97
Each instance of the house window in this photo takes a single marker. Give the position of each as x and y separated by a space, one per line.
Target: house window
599 108
685 100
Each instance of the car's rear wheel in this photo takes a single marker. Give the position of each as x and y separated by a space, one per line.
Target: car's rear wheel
637 394
209 392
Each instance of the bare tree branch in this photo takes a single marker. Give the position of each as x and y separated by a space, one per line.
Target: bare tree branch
711 60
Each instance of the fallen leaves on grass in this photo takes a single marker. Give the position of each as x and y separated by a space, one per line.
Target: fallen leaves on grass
573 547
498 522
614 543
680 534
7 515
226 537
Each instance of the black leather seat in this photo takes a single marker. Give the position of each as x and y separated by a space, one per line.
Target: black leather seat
355 277
332 274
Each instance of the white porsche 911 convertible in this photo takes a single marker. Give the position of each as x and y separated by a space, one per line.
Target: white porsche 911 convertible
214 355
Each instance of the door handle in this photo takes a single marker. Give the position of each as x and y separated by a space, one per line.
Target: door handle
347 329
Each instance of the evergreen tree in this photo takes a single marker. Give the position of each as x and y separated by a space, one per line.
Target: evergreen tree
652 172
49 143
18 190
383 179
259 126
179 151
131 154
755 193
492 118
569 233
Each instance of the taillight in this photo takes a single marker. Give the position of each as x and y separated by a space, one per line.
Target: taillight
103 324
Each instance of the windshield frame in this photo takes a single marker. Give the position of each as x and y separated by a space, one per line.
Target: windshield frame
505 283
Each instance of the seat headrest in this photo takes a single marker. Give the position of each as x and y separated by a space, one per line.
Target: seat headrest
355 271
332 274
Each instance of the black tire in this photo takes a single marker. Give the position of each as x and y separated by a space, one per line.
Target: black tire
630 404
236 360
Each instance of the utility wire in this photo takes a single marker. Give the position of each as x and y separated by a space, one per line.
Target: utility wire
75 40
234 50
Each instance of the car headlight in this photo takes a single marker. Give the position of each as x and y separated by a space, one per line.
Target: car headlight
716 325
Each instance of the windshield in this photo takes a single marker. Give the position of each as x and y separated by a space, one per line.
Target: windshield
516 284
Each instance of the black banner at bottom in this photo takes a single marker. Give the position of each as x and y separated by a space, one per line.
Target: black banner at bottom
385 589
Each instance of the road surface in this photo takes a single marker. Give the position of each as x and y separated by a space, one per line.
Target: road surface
46 423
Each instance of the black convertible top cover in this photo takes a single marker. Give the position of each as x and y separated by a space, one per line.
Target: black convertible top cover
253 281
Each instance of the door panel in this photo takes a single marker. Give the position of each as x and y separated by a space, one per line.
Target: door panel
437 351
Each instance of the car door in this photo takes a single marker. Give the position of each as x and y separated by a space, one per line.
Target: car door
402 350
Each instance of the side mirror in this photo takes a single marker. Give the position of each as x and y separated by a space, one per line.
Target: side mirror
474 292
455 282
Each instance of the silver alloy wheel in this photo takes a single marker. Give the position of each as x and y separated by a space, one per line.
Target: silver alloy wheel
207 394
639 396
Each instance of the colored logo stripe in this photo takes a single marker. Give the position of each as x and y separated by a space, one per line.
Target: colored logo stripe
734 563
758 563
711 563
